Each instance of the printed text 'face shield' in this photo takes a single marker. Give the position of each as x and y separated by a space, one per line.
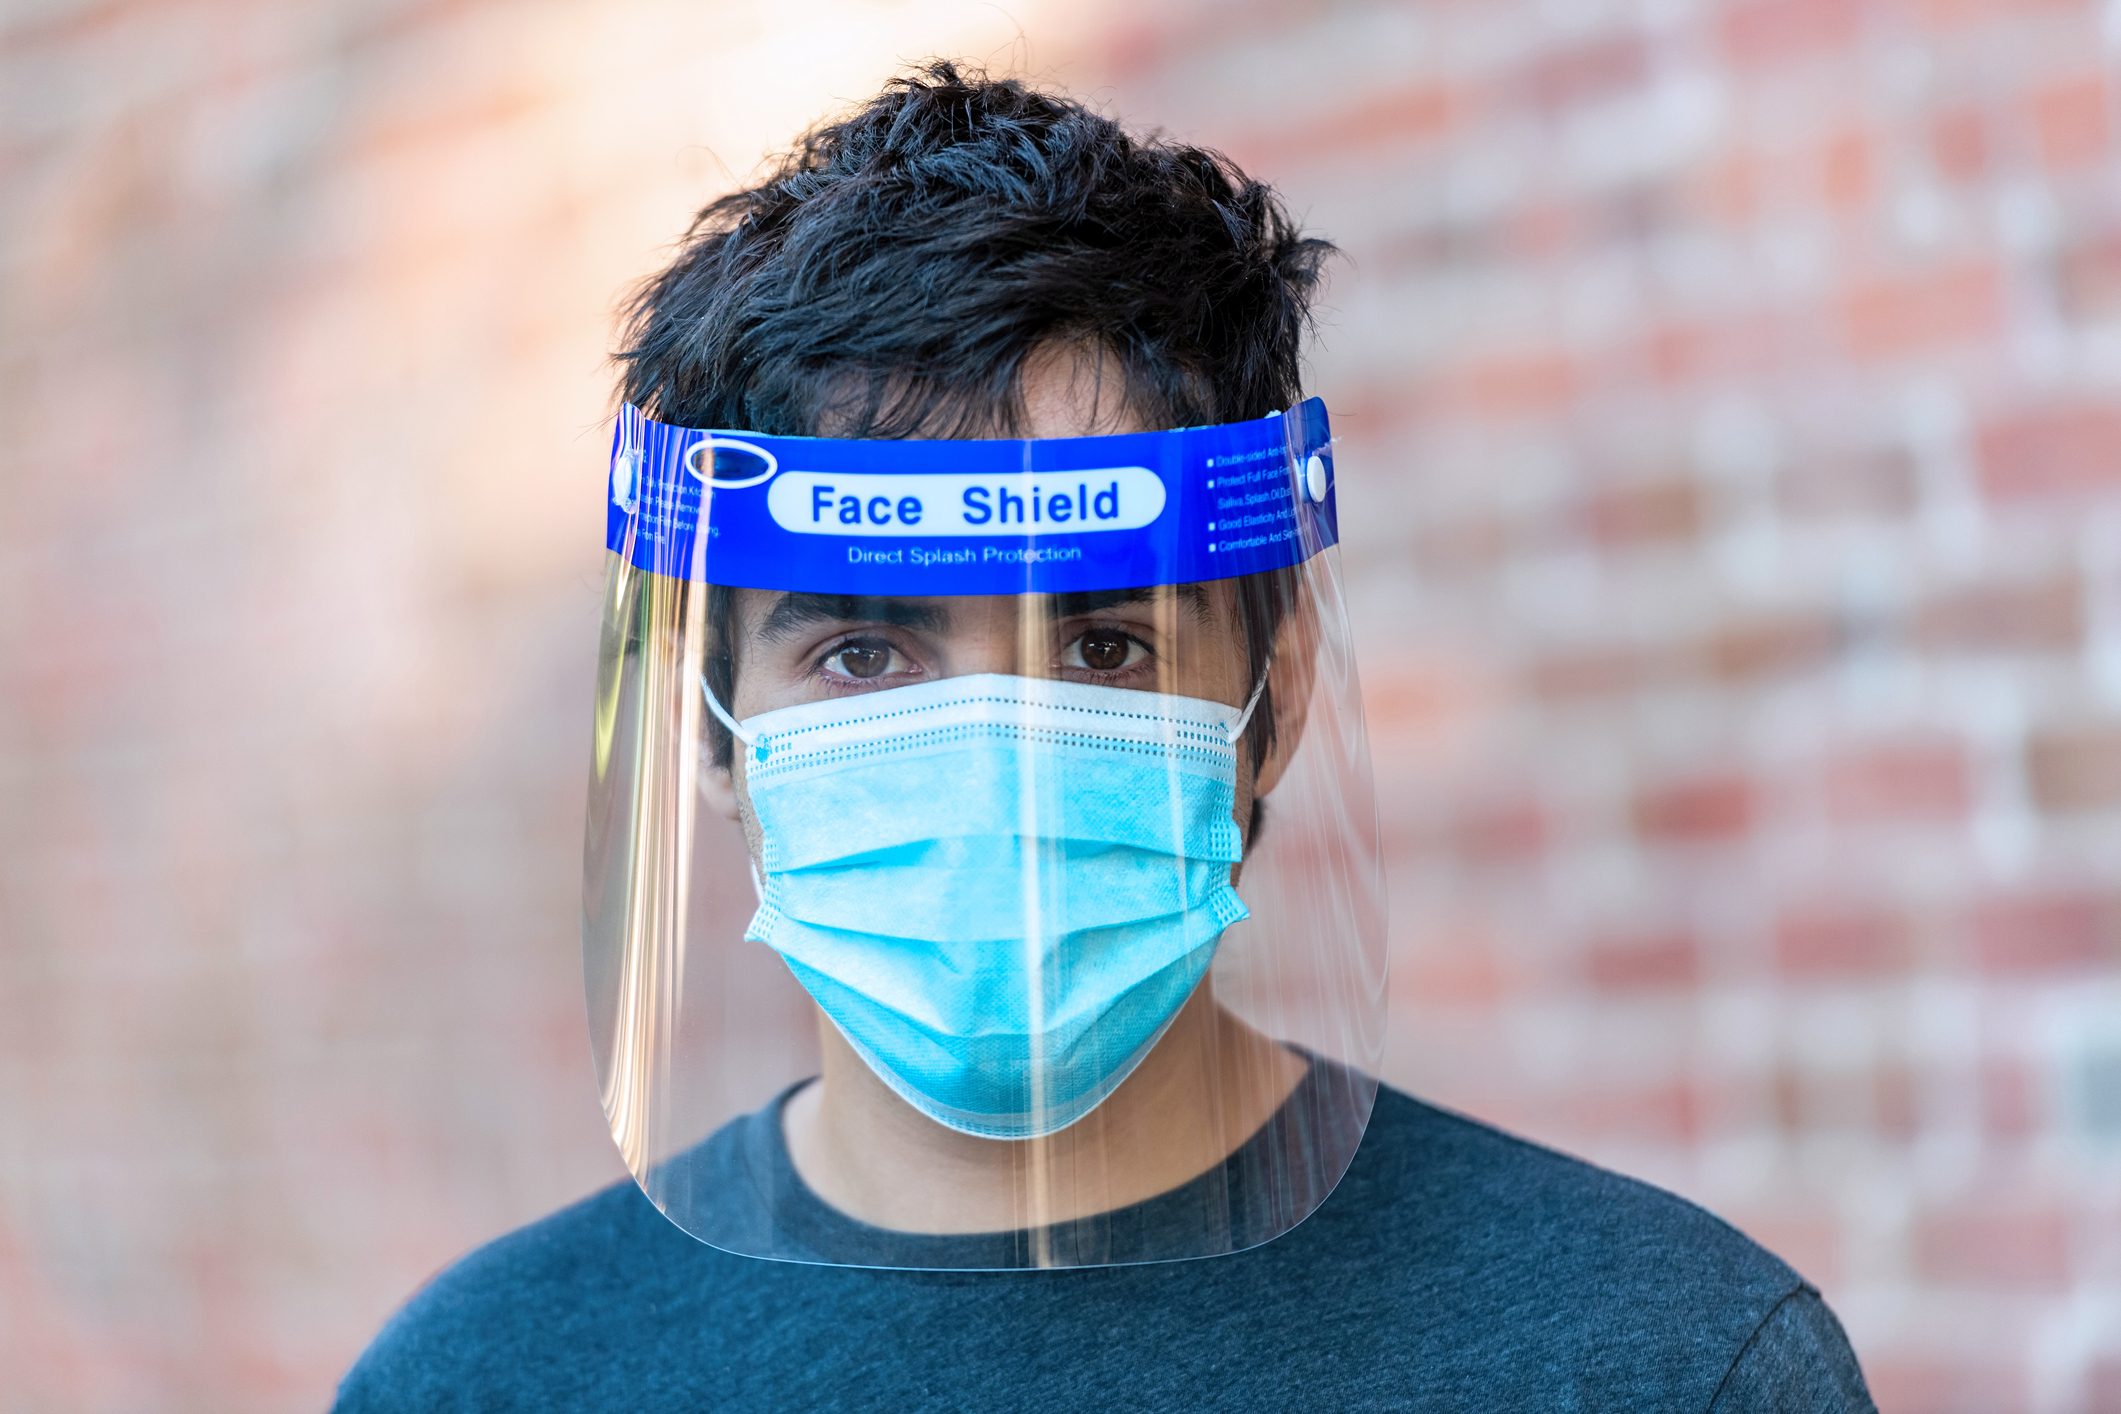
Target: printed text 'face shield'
981 866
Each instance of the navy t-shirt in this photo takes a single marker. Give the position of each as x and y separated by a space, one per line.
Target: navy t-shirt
1454 1268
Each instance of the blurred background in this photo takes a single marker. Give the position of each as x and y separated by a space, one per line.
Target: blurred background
1731 393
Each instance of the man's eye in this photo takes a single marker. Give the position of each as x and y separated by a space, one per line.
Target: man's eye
863 659
1104 650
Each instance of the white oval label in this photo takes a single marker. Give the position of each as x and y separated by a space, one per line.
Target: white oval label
1031 502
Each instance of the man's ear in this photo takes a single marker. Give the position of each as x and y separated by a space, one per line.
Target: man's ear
718 784
1290 678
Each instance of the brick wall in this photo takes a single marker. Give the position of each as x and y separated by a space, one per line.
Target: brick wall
1732 393
1739 391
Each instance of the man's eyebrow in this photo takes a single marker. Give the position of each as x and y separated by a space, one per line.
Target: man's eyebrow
796 611
1090 601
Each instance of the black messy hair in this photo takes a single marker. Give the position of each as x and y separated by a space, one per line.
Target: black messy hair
891 276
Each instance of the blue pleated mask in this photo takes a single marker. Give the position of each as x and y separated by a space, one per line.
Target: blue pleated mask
1001 889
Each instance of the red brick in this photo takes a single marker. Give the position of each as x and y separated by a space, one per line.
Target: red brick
1455 980
1503 830
1707 809
1540 230
1642 962
1877 482
1563 77
1939 309
1949 14
2075 769
1999 1243
2102 1383
2010 1100
1809 1239
1896 1102
1405 835
1144 38
1905 781
1843 942
1604 670
1411 115
1961 143
1631 214
2046 616
1678 351
391 131
1382 410
1848 170
1973 1382
1648 513
71 24
1136 46
1762 32
1457 964
1475 545
1777 646
1965 14
1423 248
1415 699
1885 1101
1731 345
1522 381
2038 932
2073 120
2058 450
1789 1102
2088 280
1731 187
1670 1110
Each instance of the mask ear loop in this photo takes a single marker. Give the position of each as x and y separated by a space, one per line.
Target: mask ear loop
1244 718
722 713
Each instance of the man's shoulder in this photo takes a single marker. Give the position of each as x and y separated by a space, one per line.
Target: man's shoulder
1524 1258
505 1317
1470 1189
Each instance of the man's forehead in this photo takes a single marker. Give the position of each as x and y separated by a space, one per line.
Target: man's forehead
770 614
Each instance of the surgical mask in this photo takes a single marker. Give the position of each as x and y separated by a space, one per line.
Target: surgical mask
1001 889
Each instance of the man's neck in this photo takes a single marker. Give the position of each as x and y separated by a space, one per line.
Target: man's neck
1209 1085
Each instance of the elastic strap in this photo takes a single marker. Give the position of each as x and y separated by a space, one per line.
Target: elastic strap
1251 702
722 713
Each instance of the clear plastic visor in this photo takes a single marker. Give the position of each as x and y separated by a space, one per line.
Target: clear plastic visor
981 930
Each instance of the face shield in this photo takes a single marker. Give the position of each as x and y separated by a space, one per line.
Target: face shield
982 866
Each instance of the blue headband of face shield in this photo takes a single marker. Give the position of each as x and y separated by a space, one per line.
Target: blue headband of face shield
1056 856
828 515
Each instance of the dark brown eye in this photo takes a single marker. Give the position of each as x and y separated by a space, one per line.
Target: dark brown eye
1103 650
863 660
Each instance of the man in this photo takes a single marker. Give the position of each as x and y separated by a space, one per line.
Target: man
952 981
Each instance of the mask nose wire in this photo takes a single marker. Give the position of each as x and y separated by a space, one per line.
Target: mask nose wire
1236 729
722 713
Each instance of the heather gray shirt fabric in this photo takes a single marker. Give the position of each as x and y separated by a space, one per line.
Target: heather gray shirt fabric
1454 1268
